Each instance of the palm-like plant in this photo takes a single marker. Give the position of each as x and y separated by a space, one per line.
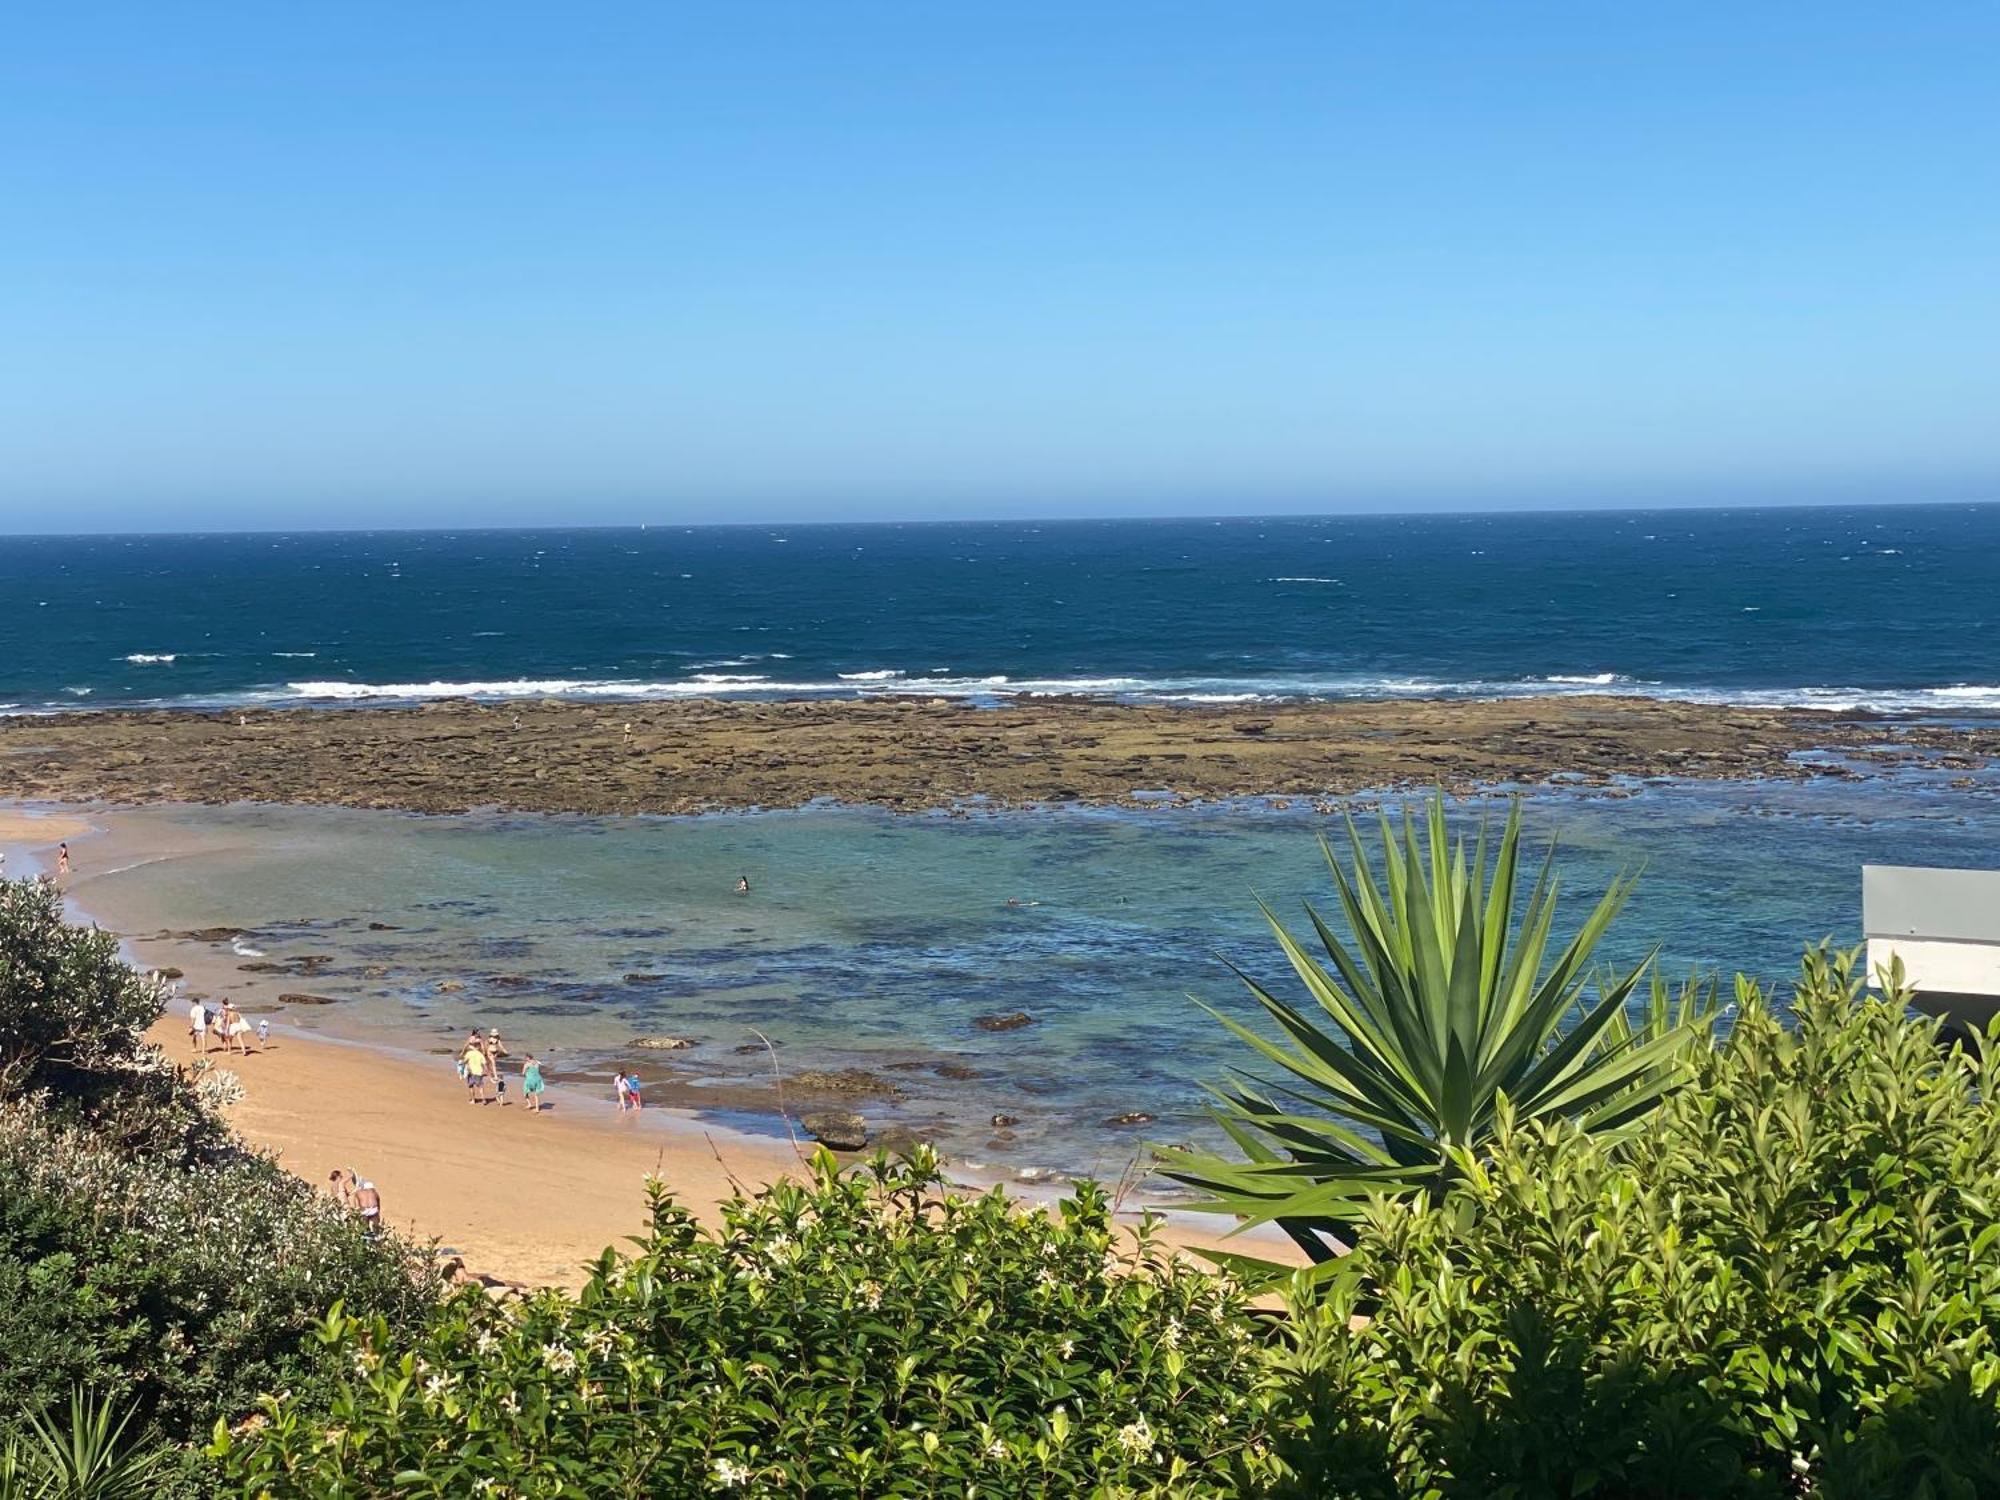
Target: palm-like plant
1442 1005
90 1458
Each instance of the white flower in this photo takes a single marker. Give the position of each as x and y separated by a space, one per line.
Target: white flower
558 1358
1171 1334
485 1343
729 1476
511 1404
1068 1347
1136 1438
871 1293
437 1385
996 1449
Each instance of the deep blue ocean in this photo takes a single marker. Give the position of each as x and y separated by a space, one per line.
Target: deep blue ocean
1890 607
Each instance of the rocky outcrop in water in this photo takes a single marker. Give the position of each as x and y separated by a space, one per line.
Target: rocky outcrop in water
838 1129
912 753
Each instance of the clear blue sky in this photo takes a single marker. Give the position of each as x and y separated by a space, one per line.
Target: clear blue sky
289 265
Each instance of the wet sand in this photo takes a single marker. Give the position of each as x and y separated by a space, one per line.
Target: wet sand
710 755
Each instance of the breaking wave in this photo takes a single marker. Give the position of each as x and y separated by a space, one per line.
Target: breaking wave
1955 698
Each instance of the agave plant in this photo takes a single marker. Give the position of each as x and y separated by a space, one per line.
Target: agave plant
1444 1003
89 1458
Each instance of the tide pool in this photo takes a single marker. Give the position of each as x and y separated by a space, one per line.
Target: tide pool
876 940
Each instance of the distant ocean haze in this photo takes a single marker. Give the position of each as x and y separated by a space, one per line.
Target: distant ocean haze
1889 607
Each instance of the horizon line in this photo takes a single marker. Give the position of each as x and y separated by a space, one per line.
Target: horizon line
1252 517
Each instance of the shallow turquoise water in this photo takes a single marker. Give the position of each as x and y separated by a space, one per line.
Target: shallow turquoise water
876 939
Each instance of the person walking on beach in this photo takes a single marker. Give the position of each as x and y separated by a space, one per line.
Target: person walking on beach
531 1083
621 1089
473 1060
62 860
368 1204
198 1028
632 1092
494 1052
235 1030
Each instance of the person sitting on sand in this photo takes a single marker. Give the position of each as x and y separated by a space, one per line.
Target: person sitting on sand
473 1060
531 1083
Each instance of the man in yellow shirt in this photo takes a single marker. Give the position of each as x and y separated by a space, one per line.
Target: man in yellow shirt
474 1062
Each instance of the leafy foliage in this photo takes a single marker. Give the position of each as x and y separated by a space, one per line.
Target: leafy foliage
1789 1283
1440 1006
145 1255
189 1289
867 1334
73 1016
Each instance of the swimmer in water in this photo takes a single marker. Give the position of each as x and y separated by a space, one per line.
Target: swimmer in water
742 885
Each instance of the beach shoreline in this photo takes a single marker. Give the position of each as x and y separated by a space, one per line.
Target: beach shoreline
527 1200
915 754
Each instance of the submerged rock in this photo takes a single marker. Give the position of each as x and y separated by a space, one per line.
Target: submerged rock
1012 1021
845 1081
955 1070
294 998
169 972
1001 1122
839 1129
211 934
1130 1117
644 978
383 927
662 1043
450 986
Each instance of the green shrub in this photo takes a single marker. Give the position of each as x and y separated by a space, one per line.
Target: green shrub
1788 1284
866 1334
145 1255
188 1288
73 1016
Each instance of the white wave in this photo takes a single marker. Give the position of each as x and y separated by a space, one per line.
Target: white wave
1304 580
148 658
77 692
243 950
1953 698
727 661
881 676
295 653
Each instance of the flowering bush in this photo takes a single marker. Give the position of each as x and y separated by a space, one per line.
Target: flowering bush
866 1334
188 1287
1788 1284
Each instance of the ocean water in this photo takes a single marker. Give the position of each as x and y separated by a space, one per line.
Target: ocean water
875 940
1883 607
